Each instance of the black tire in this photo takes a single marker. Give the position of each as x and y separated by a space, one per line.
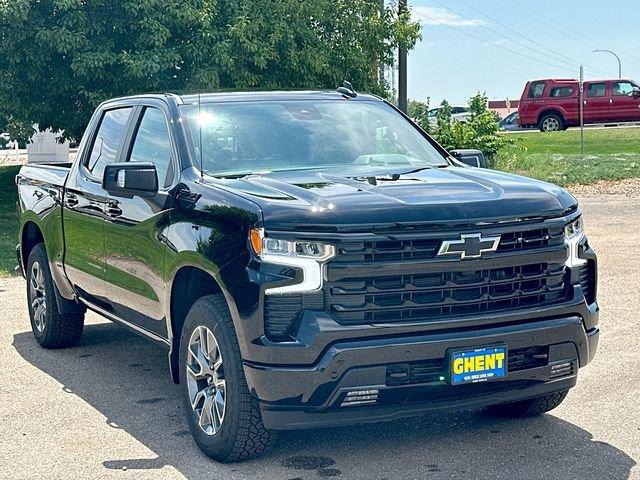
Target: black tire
59 330
529 408
551 122
241 434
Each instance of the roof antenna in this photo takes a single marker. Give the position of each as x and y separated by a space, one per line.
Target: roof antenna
347 90
200 140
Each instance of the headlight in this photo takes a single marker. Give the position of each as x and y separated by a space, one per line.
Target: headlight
574 229
309 256
573 235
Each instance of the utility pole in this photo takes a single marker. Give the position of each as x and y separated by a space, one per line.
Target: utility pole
402 66
379 64
617 58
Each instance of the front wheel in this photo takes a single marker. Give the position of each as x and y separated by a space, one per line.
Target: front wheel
529 408
51 328
223 417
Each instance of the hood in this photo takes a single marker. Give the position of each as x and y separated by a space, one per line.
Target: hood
350 197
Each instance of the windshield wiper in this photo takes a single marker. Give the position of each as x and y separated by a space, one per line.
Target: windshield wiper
416 170
230 175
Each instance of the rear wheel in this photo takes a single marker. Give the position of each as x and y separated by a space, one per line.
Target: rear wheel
51 328
223 416
551 122
529 408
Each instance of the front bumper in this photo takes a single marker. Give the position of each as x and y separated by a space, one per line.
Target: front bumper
293 397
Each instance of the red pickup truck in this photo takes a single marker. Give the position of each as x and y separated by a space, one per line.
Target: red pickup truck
553 105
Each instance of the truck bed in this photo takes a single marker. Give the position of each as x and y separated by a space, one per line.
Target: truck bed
51 175
40 197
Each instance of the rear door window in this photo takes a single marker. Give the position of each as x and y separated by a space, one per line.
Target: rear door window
153 144
536 90
597 90
622 89
561 92
107 140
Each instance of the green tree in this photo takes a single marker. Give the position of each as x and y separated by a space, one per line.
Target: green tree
444 131
418 111
60 58
479 131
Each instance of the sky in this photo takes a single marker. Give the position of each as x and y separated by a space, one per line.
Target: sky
495 46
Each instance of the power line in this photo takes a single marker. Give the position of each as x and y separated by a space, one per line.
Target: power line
552 23
533 41
501 47
566 31
572 63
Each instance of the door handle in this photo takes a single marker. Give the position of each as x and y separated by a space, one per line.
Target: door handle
113 210
611 100
71 200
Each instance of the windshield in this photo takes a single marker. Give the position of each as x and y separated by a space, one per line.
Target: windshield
255 137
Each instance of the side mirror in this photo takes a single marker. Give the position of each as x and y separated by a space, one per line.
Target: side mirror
635 92
128 179
471 157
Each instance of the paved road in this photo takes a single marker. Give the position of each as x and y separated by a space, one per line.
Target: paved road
107 408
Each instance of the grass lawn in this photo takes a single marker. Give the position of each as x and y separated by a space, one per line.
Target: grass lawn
610 154
8 219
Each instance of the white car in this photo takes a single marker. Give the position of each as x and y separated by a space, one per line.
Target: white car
459 113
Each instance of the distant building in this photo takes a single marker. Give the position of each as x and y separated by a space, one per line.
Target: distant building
503 107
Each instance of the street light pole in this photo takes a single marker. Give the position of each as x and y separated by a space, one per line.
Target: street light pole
617 58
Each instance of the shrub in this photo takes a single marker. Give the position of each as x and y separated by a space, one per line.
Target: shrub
480 131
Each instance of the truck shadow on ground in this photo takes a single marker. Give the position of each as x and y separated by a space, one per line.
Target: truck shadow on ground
126 379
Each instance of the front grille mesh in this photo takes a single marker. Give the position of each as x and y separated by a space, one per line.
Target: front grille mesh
370 252
437 295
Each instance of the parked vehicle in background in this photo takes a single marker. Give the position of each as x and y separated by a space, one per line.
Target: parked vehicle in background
553 105
510 123
471 157
459 113
308 259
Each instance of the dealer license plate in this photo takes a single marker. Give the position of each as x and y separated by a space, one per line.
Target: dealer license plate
478 365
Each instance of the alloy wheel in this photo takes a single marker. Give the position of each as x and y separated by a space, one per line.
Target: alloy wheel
206 382
551 125
38 297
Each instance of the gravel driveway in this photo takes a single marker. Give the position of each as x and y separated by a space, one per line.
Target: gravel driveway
108 409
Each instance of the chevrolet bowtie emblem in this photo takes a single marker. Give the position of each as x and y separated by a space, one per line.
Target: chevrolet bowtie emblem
469 246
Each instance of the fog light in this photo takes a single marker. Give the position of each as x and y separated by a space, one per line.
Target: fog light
561 370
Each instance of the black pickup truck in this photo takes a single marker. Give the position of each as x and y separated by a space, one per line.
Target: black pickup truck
308 259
